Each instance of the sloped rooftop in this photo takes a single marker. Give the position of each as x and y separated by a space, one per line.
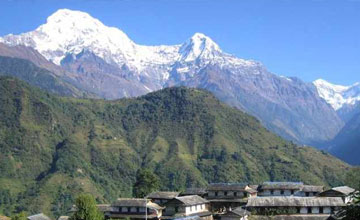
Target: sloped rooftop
292 201
163 195
191 200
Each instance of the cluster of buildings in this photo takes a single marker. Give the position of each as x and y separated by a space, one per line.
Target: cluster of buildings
225 201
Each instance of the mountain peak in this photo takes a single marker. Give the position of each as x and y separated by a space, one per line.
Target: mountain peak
199 45
325 84
72 18
337 95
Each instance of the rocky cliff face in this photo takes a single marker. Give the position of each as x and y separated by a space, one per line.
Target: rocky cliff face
105 61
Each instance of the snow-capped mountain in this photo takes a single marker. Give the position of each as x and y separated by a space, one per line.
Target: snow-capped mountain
105 61
70 32
336 95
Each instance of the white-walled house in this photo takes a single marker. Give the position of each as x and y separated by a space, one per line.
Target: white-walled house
183 206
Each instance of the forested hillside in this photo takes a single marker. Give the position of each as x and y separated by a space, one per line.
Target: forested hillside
52 148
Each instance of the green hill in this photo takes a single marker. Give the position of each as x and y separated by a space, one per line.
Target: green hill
52 148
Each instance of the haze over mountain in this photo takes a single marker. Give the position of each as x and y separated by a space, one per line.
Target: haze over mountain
105 61
346 144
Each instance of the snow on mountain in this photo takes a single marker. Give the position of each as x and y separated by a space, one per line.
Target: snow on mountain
197 46
70 32
337 95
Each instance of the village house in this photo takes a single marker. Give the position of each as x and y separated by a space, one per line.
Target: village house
195 191
131 208
293 205
288 189
162 197
223 196
185 206
236 214
343 192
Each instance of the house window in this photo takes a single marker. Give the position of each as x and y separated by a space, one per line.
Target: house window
176 209
225 193
309 210
321 210
298 210
272 192
282 192
235 193
307 194
216 193
292 192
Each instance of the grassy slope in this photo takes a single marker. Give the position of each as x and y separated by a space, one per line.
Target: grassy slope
52 148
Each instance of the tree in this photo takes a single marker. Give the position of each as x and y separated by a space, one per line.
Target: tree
352 210
86 209
146 182
353 178
19 216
